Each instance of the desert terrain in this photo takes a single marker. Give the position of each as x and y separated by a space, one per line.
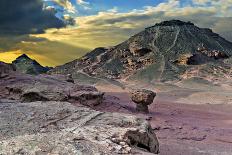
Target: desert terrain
166 90
186 121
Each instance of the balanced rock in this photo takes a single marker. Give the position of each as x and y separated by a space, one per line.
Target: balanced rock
142 98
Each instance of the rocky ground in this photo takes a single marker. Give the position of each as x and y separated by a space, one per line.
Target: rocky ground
183 125
39 128
47 115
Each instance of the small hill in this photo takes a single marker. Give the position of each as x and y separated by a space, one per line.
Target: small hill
27 65
168 51
5 69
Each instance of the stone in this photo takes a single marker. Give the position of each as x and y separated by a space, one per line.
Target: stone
183 59
48 88
122 143
138 50
216 54
69 78
142 98
51 127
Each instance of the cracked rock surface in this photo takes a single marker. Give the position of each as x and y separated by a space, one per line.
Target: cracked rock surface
28 88
61 128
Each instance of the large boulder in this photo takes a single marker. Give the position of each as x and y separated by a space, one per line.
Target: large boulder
48 88
142 98
61 128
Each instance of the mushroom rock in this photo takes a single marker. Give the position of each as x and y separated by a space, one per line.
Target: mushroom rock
142 98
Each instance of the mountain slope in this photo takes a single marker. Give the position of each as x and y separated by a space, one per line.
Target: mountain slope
166 51
26 65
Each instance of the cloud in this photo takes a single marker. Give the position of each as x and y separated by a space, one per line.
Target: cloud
84 4
112 27
224 7
26 17
213 16
48 53
201 2
66 4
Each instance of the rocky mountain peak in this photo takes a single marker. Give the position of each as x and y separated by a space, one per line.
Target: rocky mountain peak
27 65
174 23
164 52
24 56
24 59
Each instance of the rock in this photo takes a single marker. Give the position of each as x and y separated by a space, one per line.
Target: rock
122 143
69 78
48 88
142 98
61 128
5 69
214 54
174 23
149 118
183 59
138 50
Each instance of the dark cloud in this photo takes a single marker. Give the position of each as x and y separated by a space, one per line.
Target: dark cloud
26 17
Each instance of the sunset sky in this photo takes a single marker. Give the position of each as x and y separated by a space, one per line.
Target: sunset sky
57 31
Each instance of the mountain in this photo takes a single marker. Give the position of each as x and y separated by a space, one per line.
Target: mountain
168 51
27 65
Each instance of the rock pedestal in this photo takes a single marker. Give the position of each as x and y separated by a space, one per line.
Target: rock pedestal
142 108
142 98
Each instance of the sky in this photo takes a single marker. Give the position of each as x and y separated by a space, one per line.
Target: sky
58 31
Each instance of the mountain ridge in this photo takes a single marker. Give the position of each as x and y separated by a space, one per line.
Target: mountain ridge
163 52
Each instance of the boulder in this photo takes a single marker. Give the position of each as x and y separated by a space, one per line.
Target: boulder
48 88
62 128
142 98
69 78
216 54
138 50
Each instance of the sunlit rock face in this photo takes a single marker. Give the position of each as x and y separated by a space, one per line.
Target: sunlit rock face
163 52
